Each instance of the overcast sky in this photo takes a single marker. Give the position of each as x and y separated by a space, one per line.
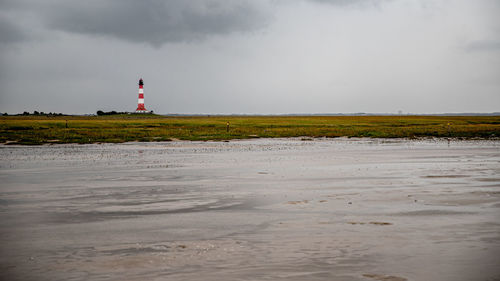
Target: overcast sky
250 56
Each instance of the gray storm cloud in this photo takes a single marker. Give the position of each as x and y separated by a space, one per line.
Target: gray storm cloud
483 46
9 32
156 21
250 56
350 2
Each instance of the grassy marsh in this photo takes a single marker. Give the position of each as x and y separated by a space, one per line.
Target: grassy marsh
124 128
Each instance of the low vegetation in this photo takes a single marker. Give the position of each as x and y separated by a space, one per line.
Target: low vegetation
34 129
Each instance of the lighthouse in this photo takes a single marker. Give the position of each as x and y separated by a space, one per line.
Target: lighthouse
140 103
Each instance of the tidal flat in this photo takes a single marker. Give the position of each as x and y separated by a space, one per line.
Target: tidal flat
261 209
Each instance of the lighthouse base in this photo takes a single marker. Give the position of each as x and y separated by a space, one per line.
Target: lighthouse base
141 111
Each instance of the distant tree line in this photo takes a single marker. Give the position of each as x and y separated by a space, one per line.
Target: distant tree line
41 113
26 113
100 112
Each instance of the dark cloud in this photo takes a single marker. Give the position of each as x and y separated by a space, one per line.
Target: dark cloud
483 46
10 33
157 21
350 2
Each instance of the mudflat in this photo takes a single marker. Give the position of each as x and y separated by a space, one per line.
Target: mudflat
265 209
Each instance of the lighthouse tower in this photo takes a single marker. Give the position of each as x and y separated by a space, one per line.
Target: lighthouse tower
140 103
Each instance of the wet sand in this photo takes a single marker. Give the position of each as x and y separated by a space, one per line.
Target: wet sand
281 209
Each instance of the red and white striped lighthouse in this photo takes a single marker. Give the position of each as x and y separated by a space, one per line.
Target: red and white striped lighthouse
140 103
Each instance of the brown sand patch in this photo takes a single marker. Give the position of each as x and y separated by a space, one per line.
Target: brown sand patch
488 179
446 176
372 222
342 194
298 202
380 223
380 277
432 213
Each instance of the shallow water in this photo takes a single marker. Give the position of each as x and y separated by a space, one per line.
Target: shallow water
281 209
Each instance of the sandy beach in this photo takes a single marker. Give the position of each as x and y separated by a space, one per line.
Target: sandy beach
263 209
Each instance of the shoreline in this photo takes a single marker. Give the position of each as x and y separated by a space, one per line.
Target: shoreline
301 138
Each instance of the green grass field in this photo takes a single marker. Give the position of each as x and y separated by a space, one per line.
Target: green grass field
123 128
